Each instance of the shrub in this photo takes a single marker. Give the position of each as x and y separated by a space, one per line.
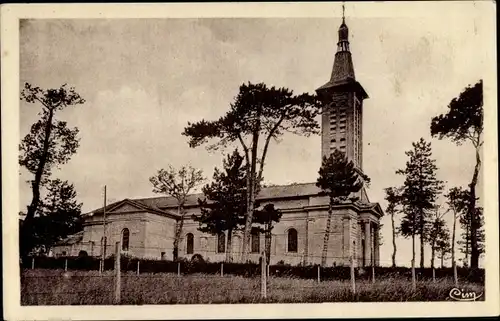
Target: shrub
198 265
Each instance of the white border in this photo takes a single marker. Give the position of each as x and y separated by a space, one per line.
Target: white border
10 138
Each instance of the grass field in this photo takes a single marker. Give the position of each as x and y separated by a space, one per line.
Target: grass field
55 287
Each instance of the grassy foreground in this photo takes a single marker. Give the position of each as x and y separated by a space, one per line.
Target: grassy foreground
55 287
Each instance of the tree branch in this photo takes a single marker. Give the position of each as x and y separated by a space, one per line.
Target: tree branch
266 145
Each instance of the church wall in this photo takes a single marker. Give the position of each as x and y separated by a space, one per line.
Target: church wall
152 235
279 244
317 228
115 223
343 239
205 244
160 234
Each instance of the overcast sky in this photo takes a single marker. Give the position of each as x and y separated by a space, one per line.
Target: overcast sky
144 79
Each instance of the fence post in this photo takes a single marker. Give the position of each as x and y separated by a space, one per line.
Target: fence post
263 283
455 275
32 263
178 268
66 265
117 273
319 276
353 278
138 263
222 269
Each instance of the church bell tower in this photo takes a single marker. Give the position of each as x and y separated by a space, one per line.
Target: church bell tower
342 117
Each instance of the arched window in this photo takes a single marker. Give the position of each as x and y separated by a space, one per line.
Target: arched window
189 243
236 243
255 241
221 243
292 240
125 239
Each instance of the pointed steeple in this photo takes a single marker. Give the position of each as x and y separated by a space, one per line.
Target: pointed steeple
343 44
343 68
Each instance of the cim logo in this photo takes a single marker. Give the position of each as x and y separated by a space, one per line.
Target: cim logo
462 295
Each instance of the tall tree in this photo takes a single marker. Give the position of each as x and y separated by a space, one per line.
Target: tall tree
438 233
58 216
457 201
420 190
49 144
257 112
224 206
464 122
393 198
266 217
177 184
339 179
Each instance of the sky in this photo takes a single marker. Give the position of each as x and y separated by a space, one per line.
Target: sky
144 79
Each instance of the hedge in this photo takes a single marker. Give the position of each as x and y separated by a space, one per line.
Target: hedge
247 269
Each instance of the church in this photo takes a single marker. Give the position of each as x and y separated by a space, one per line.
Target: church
146 226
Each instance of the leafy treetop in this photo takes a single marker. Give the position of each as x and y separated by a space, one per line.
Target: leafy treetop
464 119
338 177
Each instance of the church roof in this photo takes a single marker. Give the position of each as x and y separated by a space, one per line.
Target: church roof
167 205
269 192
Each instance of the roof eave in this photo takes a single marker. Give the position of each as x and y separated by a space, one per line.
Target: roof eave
343 85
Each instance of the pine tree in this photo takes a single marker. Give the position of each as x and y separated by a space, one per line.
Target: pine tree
224 206
266 217
58 216
420 190
393 198
339 179
464 122
49 144
257 115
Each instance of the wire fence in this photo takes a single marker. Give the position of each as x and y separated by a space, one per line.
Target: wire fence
120 279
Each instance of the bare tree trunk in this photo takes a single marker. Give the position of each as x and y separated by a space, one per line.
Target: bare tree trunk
229 246
474 257
251 188
178 232
413 281
433 251
35 185
442 258
268 244
393 241
327 235
422 240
